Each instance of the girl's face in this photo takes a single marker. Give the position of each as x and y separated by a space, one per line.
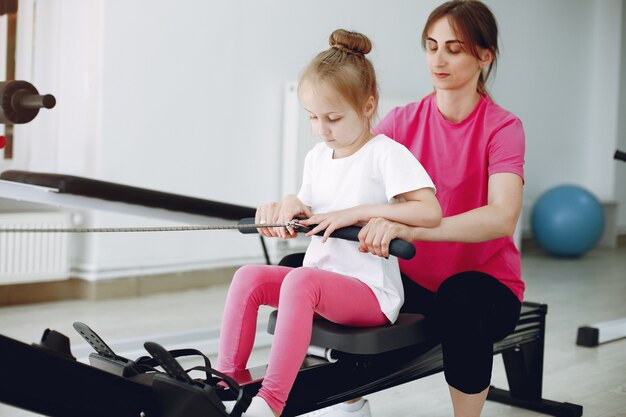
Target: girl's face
450 66
342 128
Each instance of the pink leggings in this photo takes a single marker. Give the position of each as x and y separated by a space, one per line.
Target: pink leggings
299 293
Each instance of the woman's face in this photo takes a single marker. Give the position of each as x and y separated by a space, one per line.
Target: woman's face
451 66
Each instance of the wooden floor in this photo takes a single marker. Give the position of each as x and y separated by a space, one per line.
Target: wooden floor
581 291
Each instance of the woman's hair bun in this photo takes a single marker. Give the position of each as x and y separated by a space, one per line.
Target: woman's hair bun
351 42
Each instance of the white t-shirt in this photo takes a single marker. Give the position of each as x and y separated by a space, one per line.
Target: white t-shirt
375 174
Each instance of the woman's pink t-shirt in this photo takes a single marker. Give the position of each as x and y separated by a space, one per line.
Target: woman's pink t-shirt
460 157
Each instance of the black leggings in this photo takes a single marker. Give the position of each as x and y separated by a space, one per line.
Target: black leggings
468 313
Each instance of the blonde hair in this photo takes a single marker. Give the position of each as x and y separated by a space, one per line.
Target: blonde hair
345 69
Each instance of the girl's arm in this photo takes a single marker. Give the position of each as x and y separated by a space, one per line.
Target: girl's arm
419 208
496 219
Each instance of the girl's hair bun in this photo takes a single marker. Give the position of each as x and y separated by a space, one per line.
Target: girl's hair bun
351 42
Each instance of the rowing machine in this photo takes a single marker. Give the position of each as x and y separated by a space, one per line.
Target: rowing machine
362 361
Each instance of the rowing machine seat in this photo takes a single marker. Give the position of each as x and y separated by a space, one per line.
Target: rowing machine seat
408 330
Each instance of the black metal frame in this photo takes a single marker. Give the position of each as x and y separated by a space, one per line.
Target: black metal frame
356 375
54 384
523 363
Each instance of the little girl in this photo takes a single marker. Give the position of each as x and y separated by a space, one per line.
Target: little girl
350 177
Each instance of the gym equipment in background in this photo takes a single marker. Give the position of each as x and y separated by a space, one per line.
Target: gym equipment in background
596 334
20 102
567 221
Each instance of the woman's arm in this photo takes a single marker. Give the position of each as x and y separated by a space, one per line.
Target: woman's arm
495 220
418 208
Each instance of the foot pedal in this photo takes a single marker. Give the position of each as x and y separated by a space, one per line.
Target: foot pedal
94 340
169 364
105 358
180 395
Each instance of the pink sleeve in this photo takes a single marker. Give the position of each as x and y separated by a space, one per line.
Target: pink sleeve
506 149
387 125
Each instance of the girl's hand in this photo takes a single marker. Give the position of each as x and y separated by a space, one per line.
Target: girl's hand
291 208
376 235
329 222
267 213
288 209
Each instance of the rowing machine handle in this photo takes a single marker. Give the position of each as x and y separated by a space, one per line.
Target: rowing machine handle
397 247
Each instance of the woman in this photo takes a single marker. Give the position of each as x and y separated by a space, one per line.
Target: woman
466 276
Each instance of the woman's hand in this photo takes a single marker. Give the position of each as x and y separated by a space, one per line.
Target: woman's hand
329 222
376 235
282 212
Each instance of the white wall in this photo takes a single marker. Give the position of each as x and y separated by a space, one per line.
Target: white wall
186 97
620 169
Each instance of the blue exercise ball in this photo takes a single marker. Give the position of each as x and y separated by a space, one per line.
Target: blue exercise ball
567 221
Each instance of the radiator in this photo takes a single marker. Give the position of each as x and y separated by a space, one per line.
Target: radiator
33 257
